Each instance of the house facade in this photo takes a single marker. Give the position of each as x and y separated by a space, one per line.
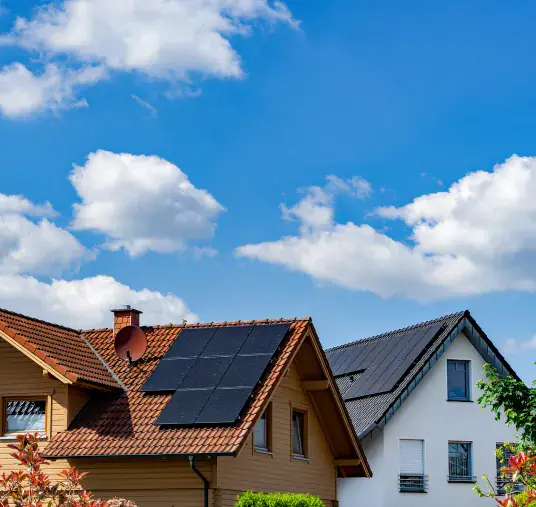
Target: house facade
413 400
90 409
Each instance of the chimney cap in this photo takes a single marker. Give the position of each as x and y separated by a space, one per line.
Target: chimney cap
127 308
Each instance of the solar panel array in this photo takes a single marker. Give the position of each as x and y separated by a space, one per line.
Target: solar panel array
381 362
212 372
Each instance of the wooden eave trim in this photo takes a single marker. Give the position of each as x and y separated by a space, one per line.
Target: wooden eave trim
314 385
338 399
37 360
347 462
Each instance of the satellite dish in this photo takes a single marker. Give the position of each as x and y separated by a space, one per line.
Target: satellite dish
130 343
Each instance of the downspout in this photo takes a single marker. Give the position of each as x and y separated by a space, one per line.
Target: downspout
201 476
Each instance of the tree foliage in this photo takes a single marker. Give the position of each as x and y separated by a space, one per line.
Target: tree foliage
31 487
514 401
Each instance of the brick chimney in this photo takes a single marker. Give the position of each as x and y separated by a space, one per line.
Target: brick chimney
126 316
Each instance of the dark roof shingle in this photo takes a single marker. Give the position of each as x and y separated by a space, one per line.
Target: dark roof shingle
365 411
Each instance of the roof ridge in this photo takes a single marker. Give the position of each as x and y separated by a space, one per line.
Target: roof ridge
210 324
397 331
41 321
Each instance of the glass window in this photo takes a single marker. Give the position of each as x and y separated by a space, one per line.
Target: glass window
260 433
298 433
458 384
460 465
504 479
25 416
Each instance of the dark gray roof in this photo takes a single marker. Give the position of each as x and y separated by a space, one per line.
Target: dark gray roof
365 410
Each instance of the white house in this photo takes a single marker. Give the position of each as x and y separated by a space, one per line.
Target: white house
412 397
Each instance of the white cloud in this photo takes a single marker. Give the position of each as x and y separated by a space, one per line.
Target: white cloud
145 104
141 203
477 237
19 204
315 210
23 93
87 302
36 247
171 40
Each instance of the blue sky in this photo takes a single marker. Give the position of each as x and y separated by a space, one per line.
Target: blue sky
397 102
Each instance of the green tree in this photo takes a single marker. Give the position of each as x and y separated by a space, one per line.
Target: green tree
515 402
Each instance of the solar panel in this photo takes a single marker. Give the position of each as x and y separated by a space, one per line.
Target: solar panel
221 368
227 341
206 373
264 339
386 365
245 370
224 406
168 375
184 407
191 342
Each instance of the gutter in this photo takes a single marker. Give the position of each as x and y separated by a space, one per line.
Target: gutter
191 458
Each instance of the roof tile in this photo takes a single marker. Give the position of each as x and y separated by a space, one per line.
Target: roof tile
122 424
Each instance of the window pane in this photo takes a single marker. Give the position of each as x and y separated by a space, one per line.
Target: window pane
297 433
25 415
458 380
260 433
459 459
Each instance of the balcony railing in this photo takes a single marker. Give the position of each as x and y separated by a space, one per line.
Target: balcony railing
502 482
413 483
462 478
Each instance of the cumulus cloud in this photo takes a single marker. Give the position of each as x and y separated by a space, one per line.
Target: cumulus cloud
315 210
34 246
170 40
23 93
141 203
86 302
478 236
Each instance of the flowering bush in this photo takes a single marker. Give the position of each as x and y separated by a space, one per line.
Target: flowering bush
521 470
31 487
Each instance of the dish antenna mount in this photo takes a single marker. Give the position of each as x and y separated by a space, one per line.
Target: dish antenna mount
130 344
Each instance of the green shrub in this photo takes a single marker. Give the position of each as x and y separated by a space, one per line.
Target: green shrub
251 499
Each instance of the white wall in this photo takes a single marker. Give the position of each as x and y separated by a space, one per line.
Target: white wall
426 414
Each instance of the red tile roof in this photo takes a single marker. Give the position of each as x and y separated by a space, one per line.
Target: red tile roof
123 424
61 348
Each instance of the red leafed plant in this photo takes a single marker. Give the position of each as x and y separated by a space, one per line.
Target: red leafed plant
521 470
31 487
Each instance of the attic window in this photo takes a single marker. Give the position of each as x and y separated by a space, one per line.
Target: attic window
299 434
24 415
458 380
261 432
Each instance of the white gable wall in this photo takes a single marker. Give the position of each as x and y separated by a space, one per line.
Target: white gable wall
426 414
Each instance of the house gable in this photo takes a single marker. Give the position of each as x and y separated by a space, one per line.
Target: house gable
372 412
428 416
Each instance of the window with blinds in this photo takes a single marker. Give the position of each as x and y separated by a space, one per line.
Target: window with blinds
412 478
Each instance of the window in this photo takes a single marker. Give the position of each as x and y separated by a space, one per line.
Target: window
412 478
24 416
460 462
504 479
298 434
261 436
458 383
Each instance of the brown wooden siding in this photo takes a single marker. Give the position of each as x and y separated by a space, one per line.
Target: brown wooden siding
148 482
19 376
279 472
